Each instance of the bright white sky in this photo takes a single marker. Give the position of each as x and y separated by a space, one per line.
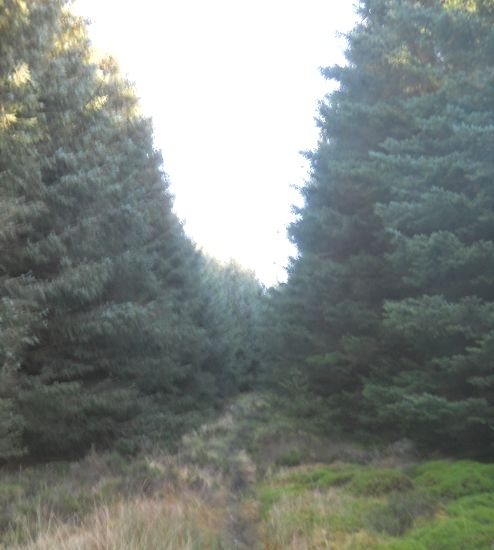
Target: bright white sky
232 87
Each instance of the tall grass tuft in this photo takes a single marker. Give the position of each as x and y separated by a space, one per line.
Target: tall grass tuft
185 522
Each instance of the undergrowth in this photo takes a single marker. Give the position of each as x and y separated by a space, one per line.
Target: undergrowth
253 479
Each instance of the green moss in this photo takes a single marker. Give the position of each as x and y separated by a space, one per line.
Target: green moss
320 477
374 482
447 534
476 508
470 521
455 479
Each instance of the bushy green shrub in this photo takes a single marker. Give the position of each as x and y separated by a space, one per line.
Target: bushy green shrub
455 479
401 511
325 476
374 482
448 534
472 504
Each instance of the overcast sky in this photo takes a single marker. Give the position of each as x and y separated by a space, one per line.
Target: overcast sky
232 87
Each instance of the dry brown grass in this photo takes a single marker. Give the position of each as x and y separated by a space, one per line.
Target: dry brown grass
293 522
223 490
176 522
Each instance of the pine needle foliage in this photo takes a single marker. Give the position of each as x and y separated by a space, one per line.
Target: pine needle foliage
100 288
387 313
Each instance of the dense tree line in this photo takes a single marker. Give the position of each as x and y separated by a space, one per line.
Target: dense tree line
388 313
116 330
107 326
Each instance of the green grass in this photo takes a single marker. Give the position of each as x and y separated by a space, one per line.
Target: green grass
455 479
446 534
375 482
437 505
324 476
469 524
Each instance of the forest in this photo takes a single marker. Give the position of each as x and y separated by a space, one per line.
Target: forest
154 397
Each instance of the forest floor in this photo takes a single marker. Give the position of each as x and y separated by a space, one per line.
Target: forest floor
254 479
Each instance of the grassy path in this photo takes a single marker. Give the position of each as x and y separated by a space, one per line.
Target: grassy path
252 480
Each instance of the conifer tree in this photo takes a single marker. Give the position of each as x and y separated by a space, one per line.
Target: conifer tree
232 311
93 251
20 202
330 308
388 308
435 382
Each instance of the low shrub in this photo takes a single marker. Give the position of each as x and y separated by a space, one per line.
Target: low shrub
375 482
459 533
324 476
400 512
455 479
475 508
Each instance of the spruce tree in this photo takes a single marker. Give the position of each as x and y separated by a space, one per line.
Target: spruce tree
94 249
20 203
330 308
388 308
435 381
232 312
